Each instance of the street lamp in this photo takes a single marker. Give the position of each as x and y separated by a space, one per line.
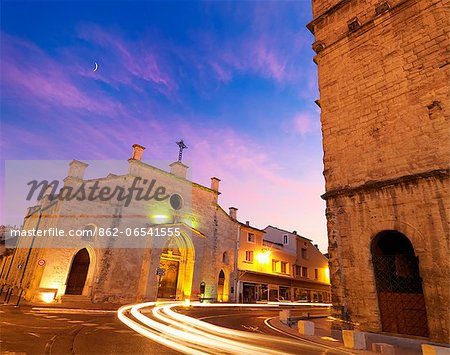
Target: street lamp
263 256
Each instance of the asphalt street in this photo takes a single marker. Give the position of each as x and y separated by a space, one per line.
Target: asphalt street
24 330
28 332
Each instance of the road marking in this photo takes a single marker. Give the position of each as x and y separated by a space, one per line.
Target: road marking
49 345
89 324
75 321
61 319
50 317
266 322
221 316
123 331
105 327
35 335
249 327
71 310
33 326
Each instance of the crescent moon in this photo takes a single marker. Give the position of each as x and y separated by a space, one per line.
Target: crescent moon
96 67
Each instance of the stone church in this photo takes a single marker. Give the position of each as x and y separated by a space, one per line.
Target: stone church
178 246
384 93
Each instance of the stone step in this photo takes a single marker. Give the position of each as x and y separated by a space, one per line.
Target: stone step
75 299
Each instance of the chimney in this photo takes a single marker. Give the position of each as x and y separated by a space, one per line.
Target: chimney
247 223
138 150
294 232
76 169
178 169
215 184
233 213
316 246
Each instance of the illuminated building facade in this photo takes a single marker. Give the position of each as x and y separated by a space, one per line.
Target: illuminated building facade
277 265
189 256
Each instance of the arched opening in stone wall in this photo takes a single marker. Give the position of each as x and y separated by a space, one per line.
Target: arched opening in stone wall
220 286
177 261
399 285
78 273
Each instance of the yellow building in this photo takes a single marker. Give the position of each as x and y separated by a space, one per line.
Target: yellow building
277 265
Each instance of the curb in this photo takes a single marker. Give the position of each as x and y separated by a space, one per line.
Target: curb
275 324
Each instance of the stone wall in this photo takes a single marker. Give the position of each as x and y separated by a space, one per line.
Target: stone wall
384 84
383 91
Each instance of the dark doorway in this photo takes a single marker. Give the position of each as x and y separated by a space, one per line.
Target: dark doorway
399 285
220 286
249 293
78 273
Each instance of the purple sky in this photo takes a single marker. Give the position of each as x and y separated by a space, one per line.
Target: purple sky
235 80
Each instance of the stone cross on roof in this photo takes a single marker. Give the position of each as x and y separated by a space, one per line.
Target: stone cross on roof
182 146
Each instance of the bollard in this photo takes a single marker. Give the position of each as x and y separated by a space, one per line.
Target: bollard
285 314
305 327
428 349
383 348
354 339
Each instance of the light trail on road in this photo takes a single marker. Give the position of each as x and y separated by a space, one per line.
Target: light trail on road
160 323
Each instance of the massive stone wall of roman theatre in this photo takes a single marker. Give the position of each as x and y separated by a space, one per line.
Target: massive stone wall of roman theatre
383 90
419 210
384 99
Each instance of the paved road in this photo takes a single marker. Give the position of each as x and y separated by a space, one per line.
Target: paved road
256 321
218 329
26 331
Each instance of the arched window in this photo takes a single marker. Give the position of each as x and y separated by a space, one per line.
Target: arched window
225 258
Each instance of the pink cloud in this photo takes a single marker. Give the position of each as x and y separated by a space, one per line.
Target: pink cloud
303 123
45 80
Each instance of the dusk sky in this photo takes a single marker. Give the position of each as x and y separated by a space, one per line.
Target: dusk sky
235 80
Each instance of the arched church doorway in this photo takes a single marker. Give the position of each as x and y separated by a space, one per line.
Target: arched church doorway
177 263
170 263
220 286
78 273
399 285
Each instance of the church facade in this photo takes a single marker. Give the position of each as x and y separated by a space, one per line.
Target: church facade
177 243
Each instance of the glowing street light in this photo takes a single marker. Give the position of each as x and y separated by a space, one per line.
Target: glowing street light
263 257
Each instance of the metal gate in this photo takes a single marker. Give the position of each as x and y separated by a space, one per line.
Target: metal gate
400 296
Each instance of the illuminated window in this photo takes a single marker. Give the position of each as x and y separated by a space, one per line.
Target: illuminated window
316 274
304 271
275 265
251 238
284 267
249 256
285 239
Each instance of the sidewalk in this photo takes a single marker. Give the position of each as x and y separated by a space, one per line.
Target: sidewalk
65 305
326 336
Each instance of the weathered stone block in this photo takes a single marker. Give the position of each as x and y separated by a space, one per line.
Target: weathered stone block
305 327
383 348
428 349
285 314
354 339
